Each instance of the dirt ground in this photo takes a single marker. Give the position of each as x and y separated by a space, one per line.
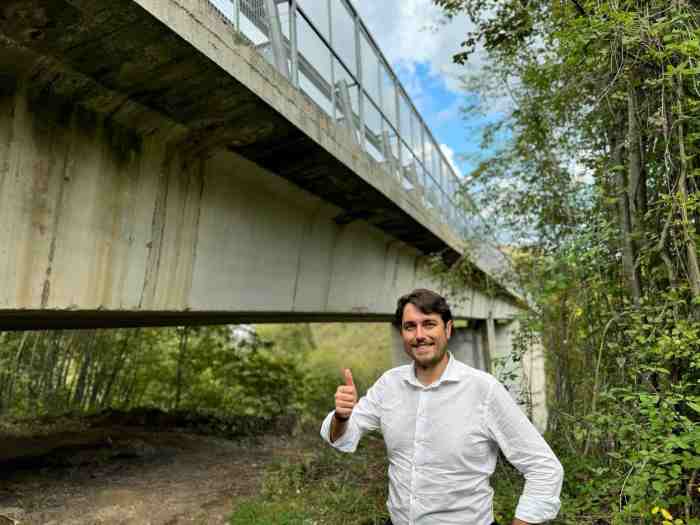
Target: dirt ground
132 476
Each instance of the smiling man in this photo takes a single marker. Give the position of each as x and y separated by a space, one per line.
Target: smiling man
443 423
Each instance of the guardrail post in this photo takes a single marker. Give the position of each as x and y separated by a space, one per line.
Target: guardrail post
330 42
360 84
347 108
388 154
236 15
276 40
399 153
294 43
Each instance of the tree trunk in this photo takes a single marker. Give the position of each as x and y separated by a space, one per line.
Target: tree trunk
688 240
626 236
180 364
119 365
81 381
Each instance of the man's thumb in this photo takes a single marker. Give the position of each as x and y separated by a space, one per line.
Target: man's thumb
348 378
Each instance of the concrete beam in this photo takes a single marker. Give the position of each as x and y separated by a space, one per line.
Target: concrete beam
104 225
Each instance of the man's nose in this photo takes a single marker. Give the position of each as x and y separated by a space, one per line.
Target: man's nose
420 332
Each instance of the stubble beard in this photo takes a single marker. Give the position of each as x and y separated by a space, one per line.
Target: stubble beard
428 361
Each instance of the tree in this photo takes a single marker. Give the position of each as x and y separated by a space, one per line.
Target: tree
595 173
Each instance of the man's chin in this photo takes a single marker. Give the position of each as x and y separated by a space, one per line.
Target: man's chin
426 359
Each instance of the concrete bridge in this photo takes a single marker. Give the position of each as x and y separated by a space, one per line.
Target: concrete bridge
205 161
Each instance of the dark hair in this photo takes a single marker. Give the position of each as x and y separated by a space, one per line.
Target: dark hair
426 301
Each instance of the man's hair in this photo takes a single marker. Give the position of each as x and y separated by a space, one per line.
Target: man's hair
426 301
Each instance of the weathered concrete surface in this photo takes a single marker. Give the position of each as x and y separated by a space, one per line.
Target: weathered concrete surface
530 382
105 225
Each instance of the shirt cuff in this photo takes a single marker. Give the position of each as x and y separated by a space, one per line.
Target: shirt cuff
344 443
537 510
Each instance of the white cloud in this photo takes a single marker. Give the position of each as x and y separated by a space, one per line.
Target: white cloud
450 156
411 32
450 113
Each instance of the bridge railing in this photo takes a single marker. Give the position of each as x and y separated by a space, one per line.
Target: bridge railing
324 49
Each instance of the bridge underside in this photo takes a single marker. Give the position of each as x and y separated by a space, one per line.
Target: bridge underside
142 184
100 225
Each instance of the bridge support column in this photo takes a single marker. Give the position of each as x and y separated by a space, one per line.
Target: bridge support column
465 345
525 377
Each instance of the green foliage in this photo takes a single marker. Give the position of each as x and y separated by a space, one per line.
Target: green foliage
274 371
624 381
278 513
322 487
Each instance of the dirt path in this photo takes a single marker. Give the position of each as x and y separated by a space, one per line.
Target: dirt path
138 477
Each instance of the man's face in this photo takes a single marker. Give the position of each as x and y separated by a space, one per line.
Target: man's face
424 336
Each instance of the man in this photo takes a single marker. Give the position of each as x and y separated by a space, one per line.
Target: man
443 423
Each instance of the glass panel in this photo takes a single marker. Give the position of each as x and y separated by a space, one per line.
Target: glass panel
426 149
314 66
429 168
446 178
374 151
435 162
389 148
254 24
406 155
394 143
373 129
284 10
370 67
317 12
388 96
423 178
342 76
225 7
405 117
415 135
343 41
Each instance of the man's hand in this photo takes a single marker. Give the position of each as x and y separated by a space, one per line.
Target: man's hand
516 521
345 400
345 397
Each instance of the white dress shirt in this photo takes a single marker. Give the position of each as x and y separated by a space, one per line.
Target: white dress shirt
442 442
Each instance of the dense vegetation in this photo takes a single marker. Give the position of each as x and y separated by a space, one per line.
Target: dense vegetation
274 370
593 167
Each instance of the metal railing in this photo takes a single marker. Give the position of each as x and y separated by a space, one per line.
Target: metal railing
324 49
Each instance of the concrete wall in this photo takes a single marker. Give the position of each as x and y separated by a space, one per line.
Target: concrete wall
529 383
96 217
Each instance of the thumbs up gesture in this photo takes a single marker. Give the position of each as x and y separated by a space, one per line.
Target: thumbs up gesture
345 397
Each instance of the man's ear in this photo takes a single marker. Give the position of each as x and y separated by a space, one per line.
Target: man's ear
448 329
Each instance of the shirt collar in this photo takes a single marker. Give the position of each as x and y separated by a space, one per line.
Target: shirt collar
451 374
